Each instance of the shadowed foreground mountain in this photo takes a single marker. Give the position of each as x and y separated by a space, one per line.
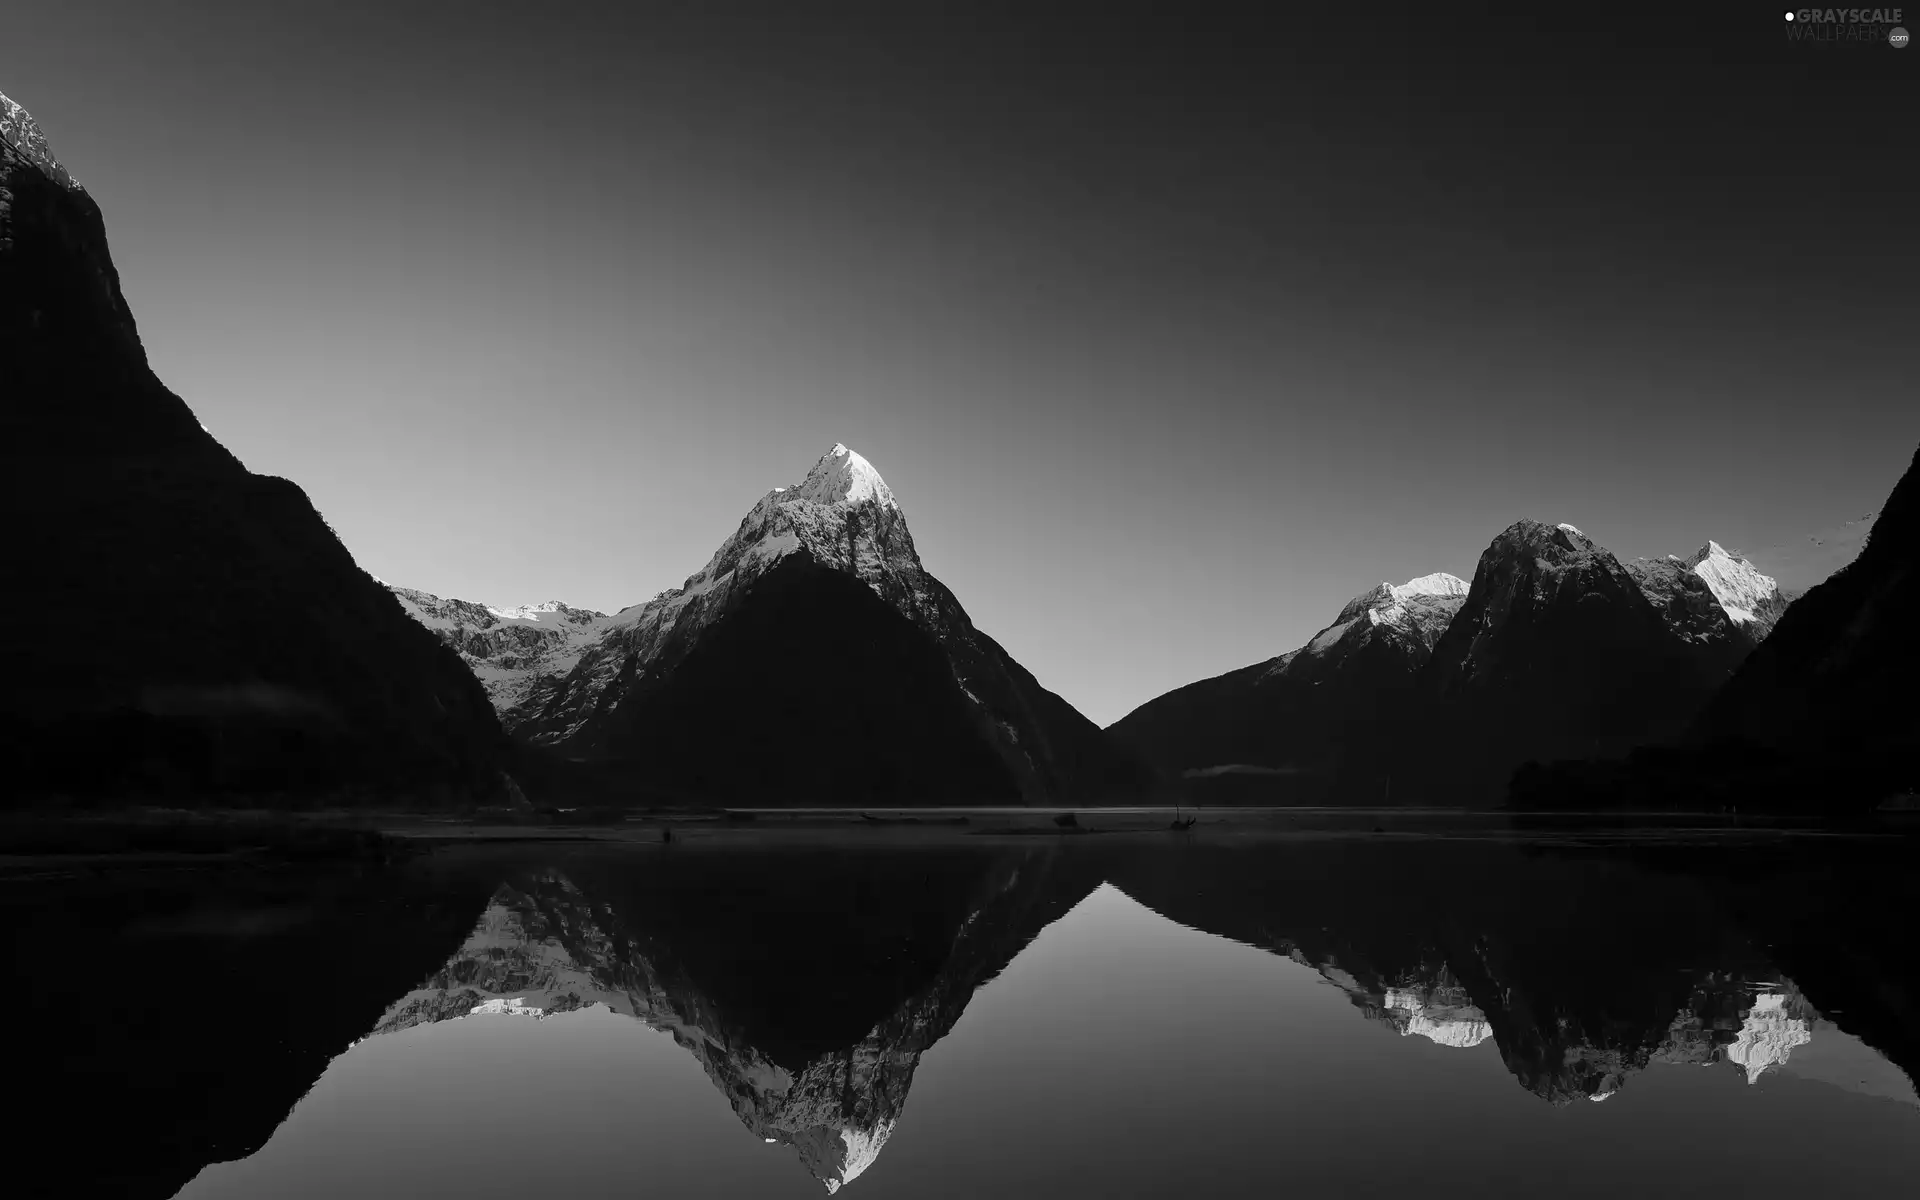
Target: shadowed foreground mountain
207 635
1822 716
809 980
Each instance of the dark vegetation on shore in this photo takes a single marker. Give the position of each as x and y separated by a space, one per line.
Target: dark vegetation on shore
166 833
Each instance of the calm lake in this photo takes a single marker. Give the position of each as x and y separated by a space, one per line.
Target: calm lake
787 1013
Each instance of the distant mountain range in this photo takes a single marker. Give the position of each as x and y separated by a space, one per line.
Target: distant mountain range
813 660
1555 648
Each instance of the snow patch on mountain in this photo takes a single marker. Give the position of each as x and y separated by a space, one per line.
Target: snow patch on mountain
19 130
863 1147
517 653
1437 584
1411 608
1767 1036
1456 1024
1736 583
819 514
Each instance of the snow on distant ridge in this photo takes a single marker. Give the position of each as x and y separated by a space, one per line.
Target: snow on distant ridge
19 130
1437 584
511 650
1739 587
1400 605
1573 529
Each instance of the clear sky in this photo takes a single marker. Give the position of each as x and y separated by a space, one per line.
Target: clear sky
1170 331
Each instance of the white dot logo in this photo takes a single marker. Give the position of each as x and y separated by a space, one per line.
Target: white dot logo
1897 39
1789 16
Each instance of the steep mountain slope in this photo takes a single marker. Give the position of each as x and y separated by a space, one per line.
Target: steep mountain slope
711 646
1318 710
220 637
1557 652
1836 677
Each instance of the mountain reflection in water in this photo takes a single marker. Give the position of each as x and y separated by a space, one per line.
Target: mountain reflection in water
809 982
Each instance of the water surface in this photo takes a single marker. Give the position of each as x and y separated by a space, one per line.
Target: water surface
958 1016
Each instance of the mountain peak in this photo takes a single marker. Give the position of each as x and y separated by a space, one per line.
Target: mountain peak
1539 538
1742 590
1437 584
841 475
19 130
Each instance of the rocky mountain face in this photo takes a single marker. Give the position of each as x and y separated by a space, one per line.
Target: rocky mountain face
766 675
519 654
271 665
1318 709
1711 599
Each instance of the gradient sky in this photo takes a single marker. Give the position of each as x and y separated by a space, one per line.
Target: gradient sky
1171 332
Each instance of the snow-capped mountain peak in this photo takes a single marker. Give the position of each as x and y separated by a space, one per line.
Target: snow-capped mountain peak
841 476
843 514
1418 609
19 130
1385 603
1739 587
1437 584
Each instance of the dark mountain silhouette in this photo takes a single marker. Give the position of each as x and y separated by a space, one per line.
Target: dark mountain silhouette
208 635
1436 690
1836 676
1306 726
1821 717
809 689
185 1012
1556 652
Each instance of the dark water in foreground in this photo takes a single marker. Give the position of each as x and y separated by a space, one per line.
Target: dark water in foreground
771 1015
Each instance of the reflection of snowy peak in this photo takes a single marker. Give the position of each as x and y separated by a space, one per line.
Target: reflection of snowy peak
1432 1004
546 950
1768 1035
1440 1014
544 947
519 654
